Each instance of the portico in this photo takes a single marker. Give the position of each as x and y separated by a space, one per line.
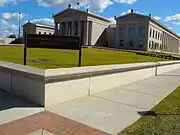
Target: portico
72 22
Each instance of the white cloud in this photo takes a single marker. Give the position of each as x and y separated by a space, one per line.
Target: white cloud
125 1
112 20
7 29
5 2
126 12
94 5
175 19
170 28
157 18
45 21
12 16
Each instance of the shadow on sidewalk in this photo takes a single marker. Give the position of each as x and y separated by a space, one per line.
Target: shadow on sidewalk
8 101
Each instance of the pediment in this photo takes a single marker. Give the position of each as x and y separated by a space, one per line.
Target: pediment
132 16
69 13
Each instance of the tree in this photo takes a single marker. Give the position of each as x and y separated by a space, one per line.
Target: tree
12 36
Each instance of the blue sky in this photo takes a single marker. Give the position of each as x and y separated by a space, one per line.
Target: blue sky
40 11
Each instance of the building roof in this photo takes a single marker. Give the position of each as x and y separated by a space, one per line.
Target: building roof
153 20
40 25
87 13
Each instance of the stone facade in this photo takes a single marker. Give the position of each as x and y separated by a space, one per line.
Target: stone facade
139 32
89 27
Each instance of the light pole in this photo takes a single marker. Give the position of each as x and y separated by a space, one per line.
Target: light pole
77 5
19 19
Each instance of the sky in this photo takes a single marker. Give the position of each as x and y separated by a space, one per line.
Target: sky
40 11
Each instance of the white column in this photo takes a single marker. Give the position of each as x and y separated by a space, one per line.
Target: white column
86 32
56 28
79 28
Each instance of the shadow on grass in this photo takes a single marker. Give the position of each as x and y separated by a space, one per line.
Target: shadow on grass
8 101
152 113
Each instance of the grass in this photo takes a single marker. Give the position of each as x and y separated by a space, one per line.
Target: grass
168 123
69 58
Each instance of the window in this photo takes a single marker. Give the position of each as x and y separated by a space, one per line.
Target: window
49 33
156 35
39 33
130 43
141 44
76 28
141 31
63 28
153 33
121 43
44 33
69 28
150 34
121 31
131 31
149 44
152 47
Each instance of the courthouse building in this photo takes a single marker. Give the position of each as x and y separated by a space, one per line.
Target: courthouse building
139 32
132 31
88 26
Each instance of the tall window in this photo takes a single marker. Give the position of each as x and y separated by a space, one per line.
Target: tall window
69 28
156 35
121 31
141 31
130 43
149 44
131 31
153 33
76 28
150 34
63 28
141 43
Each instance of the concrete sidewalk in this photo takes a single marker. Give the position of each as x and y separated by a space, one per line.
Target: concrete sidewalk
113 110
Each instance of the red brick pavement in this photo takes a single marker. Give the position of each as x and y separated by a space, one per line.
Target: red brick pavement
50 122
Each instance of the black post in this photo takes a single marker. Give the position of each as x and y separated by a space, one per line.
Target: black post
80 53
25 48
19 18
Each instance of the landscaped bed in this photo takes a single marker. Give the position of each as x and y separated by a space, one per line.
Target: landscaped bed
163 119
51 58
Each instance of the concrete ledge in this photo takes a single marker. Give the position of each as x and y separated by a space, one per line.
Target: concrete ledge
54 86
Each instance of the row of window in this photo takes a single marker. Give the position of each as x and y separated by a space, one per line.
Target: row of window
130 43
44 33
131 31
155 45
155 34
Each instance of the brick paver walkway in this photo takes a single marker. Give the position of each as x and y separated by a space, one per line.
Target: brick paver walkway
50 122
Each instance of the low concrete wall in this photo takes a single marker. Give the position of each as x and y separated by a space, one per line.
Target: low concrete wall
54 86
23 81
68 84
6 40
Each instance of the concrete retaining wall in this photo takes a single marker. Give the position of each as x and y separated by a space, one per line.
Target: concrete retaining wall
54 86
23 81
68 84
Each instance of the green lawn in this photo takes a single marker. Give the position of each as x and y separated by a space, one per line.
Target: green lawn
69 58
167 123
